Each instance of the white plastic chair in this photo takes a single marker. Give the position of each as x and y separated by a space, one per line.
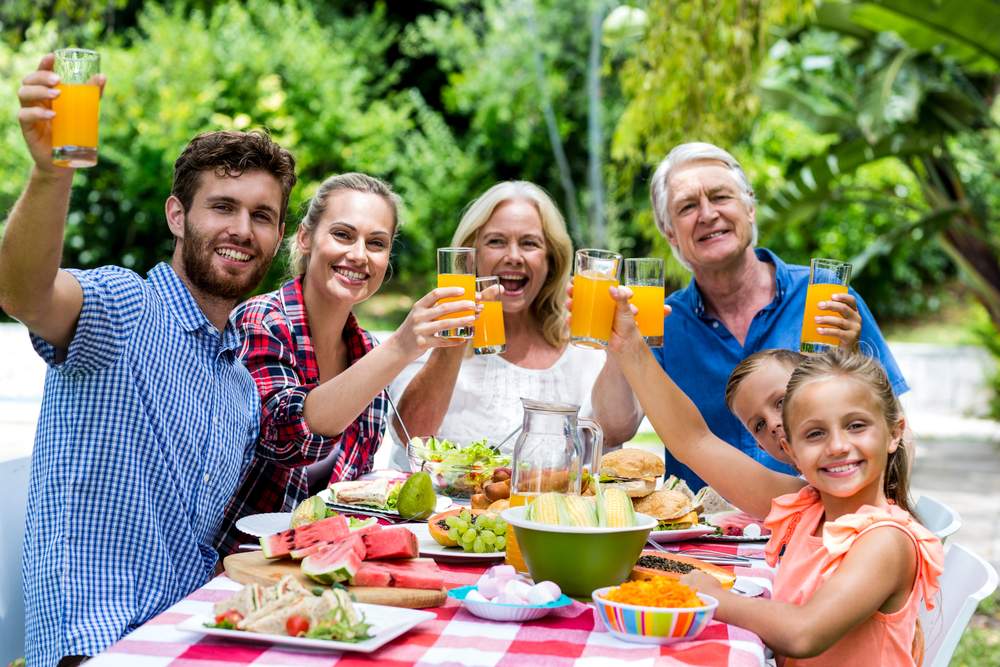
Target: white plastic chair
966 580
937 517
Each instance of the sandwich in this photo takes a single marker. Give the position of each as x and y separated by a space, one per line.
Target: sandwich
711 502
634 471
672 509
675 483
377 493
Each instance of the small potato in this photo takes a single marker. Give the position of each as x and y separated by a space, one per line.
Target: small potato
497 490
479 501
500 474
499 505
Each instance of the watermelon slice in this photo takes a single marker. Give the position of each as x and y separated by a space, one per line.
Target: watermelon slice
335 563
299 554
332 529
370 574
395 542
415 574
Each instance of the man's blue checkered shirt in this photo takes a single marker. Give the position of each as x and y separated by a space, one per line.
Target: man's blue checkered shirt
146 424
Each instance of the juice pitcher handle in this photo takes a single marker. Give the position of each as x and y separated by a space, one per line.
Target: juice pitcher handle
596 444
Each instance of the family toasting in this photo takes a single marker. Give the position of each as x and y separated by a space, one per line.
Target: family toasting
171 409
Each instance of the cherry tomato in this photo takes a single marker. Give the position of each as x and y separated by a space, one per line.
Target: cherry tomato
296 625
229 618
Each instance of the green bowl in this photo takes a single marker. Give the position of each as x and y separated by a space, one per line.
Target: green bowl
580 560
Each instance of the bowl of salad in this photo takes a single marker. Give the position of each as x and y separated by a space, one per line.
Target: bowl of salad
461 471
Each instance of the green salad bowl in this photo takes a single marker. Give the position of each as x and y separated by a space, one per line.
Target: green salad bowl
579 559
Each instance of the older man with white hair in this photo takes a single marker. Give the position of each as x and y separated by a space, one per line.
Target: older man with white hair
741 300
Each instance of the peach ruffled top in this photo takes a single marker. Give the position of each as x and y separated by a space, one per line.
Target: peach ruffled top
809 560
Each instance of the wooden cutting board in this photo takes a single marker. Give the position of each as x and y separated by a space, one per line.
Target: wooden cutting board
252 568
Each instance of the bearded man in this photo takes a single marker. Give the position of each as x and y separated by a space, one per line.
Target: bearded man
148 418
741 300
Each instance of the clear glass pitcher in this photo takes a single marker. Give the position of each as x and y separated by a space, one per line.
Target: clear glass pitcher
553 450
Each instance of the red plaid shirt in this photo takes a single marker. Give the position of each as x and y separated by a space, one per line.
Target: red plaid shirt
277 350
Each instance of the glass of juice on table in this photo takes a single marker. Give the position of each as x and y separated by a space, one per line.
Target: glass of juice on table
826 278
644 276
593 307
489 337
74 126
457 268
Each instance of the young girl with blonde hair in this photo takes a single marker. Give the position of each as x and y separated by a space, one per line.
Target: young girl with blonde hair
853 564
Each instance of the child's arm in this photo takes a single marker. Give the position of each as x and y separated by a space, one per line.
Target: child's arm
738 478
877 574
846 325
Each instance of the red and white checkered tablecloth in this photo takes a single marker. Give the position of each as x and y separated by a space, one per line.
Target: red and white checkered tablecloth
568 636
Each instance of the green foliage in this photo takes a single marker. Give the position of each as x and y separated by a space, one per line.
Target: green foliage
241 66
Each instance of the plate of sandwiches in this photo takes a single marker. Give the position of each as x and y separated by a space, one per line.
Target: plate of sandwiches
371 497
680 513
330 620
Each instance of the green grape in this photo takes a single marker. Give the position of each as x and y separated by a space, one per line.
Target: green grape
479 546
488 536
454 534
500 544
451 520
484 522
462 526
469 535
500 528
466 516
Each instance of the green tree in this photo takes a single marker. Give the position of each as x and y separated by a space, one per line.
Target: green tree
910 81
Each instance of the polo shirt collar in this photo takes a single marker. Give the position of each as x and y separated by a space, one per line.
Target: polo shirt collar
691 295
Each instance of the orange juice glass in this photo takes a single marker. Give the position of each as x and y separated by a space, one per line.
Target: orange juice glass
644 276
74 126
593 308
513 553
457 268
489 336
826 278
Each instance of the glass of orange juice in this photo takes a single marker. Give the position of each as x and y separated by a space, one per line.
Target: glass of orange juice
644 276
457 268
826 278
593 307
489 336
74 126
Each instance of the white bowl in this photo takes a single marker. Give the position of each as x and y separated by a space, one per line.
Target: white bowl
495 611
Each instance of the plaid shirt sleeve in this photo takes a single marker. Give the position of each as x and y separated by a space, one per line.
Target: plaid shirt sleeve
268 352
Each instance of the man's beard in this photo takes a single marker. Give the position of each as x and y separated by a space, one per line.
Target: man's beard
196 256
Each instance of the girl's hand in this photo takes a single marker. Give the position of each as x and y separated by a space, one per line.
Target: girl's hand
846 325
703 583
416 333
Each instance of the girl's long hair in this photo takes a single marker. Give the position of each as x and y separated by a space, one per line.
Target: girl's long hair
868 371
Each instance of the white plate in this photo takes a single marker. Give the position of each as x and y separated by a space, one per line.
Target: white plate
441 504
260 525
387 624
430 547
680 535
747 587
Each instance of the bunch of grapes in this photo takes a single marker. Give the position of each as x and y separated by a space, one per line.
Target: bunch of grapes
480 533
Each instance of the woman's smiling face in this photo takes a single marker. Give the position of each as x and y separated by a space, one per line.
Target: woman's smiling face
349 249
511 245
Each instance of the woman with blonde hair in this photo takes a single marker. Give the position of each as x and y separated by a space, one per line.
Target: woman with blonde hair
320 376
519 236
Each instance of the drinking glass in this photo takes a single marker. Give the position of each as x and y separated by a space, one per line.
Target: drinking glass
593 308
74 126
644 276
826 278
489 336
457 268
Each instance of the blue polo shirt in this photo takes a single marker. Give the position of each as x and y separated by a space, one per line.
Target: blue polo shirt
707 354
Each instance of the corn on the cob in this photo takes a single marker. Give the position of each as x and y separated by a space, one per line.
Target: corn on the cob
619 512
577 511
545 508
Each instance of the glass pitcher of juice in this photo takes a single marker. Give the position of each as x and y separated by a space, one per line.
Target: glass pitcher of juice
552 453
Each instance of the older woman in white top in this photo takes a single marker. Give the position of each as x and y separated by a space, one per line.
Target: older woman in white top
519 236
